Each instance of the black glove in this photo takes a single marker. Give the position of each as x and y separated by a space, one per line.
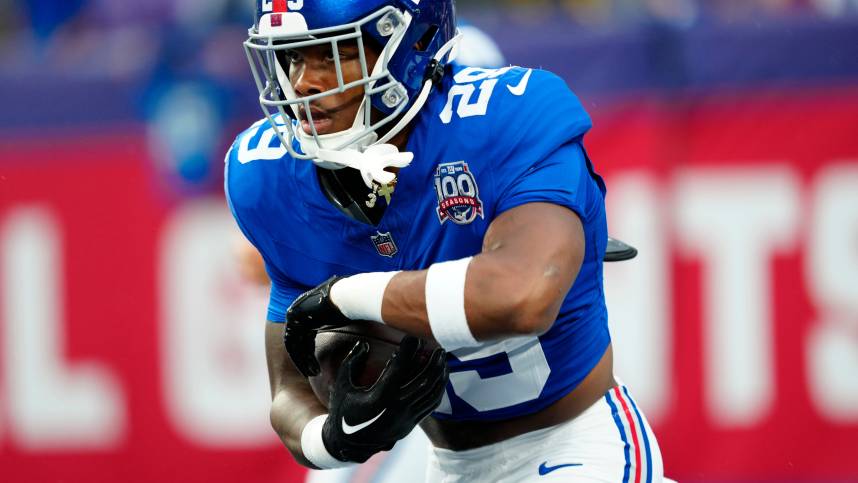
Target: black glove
363 421
309 312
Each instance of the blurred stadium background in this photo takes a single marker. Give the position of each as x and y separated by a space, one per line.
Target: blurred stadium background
727 130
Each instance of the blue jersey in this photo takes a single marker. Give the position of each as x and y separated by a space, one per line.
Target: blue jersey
485 142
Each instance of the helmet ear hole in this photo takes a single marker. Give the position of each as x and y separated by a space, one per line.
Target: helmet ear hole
426 39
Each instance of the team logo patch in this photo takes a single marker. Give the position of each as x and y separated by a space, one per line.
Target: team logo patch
458 194
384 244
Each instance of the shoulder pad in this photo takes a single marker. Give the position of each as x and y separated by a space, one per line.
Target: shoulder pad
253 153
511 99
259 142
541 101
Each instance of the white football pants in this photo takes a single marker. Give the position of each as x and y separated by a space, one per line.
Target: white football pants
609 442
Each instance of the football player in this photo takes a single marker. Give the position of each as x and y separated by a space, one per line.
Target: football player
456 204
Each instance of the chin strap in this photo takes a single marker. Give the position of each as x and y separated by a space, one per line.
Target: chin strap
373 160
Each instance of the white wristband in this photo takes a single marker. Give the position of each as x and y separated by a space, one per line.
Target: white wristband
445 304
314 448
359 297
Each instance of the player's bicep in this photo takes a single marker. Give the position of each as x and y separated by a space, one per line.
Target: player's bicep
542 211
531 256
546 237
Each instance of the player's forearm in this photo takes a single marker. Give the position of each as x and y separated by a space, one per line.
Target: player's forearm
404 304
289 415
531 256
502 298
293 403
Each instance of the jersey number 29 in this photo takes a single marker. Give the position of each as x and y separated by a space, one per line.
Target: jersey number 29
499 375
465 87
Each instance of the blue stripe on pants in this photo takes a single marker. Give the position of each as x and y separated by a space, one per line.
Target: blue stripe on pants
619 424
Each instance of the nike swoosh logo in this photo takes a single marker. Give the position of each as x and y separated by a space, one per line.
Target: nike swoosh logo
544 469
522 86
349 429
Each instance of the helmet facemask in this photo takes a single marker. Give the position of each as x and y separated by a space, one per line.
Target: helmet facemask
363 146
281 104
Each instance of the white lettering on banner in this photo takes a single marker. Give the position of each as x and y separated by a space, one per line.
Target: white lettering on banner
832 272
212 333
637 292
735 220
52 405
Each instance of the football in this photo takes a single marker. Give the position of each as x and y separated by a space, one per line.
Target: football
333 345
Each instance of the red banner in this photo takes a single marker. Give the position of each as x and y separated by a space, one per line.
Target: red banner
131 351
745 208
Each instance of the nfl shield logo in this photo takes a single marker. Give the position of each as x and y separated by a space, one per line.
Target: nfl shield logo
384 244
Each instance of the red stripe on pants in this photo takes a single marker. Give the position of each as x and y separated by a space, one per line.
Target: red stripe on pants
631 422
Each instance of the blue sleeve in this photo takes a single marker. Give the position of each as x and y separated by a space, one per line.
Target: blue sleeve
544 160
282 296
227 187
562 178
242 196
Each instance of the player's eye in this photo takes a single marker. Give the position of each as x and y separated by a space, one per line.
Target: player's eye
345 52
293 56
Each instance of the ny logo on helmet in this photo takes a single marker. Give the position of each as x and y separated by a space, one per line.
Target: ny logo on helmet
282 5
